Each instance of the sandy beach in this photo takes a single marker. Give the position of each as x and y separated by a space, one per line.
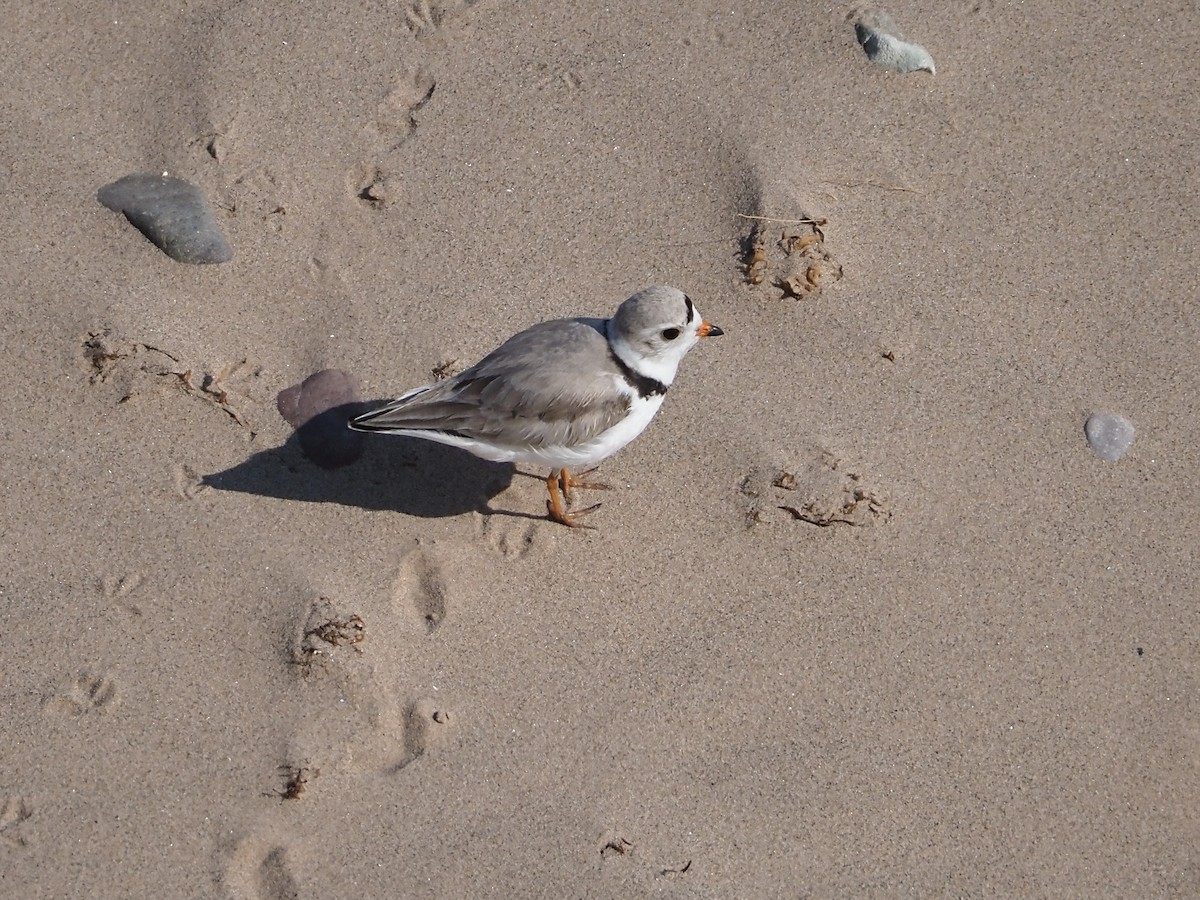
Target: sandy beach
863 613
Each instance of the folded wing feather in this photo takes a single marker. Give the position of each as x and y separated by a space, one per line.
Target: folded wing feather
553 385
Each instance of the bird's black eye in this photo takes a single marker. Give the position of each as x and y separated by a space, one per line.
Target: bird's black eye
669 334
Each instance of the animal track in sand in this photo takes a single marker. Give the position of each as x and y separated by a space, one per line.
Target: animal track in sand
13 813
675 870
118 589
614 846
396 116
188 483
395 120
394 124
560 78
259 196
217 143
369 185
424 19
821 491
87 692
511 538
421 586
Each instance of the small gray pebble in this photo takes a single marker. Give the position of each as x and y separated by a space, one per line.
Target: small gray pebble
883 43
172 213
1110 436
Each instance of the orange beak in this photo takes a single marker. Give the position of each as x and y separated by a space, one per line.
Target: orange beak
708 329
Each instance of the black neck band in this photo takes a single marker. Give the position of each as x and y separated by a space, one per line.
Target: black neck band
643 384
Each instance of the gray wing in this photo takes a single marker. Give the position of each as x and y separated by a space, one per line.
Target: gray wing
553 384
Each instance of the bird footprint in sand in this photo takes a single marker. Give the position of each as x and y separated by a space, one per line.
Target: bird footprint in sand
88 692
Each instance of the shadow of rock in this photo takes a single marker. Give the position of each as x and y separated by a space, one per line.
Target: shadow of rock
408 475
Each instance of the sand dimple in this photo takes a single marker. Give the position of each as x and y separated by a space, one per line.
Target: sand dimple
428 726
261 867
273 878
421 587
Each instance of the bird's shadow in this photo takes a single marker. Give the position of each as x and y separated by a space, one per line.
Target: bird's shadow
323 461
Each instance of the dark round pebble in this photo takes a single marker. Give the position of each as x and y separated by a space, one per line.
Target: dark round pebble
320 409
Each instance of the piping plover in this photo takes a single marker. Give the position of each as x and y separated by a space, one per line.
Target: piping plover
566 393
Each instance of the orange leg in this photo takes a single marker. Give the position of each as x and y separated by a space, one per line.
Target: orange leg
567 482
559 484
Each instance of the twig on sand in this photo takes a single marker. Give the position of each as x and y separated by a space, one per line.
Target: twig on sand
875 184
784 221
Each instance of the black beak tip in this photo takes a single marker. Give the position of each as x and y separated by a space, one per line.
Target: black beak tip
715 331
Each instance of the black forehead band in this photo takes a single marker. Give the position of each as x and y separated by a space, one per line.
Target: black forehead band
691 308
